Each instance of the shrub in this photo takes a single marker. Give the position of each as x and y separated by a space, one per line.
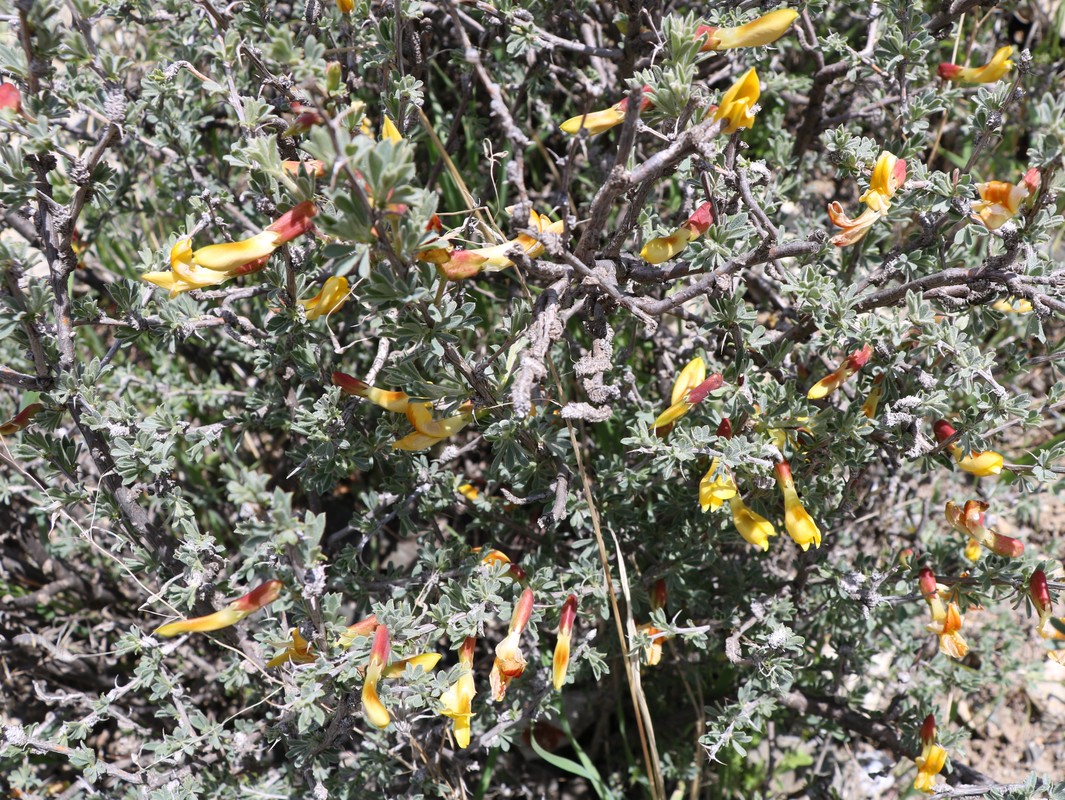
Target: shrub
405 323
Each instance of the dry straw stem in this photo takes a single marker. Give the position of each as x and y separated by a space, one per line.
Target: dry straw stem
644 722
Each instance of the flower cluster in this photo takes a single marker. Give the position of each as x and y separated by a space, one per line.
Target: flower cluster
456 702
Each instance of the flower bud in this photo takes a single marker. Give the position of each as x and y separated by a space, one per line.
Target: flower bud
333 76
560 660
372 707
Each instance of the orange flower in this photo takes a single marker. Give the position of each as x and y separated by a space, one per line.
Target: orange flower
457 701
509 661
653 651
560 662
1000 201
737 104
932 759
372 707
467 263
257 598
946 619
980 464
851 364
970 521
889 173
990 72
21 420
596 122
333 295
298 650
311 166
766 29
664 248
217 263
797 521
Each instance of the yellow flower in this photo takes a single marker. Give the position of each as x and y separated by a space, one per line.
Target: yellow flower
333 295
257 598
873 400
990 72
1000 202
429 431
851 364
298 650
889 173
1039 593
346 6
754 528
457 701
797 521
714 491
596 122
932 759
1012 307
981 464
664 248
389 131
217 263
427 661
395 402
372 707
690 388
560 660
764 30
509 661
737 103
